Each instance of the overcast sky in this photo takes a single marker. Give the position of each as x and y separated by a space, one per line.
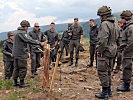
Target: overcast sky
12 12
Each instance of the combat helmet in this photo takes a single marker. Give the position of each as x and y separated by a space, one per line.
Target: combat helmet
104 10
25 23
127 15
9 34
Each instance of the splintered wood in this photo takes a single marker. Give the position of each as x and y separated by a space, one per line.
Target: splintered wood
55 70
46 63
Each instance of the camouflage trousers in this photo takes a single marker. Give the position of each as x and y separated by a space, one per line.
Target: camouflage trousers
74 44
35 61
104 67
20 68
127 69
8 69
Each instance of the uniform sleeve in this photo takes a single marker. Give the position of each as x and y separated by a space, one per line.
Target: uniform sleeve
56 37
81 31
46 33
4 49
44 38
28 39
102 37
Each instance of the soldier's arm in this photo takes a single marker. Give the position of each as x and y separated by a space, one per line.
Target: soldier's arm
56 39
44 38
81 33
28 39
124 40
102 37
4 49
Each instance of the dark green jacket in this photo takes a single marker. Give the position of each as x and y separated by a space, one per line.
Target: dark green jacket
21 40
108 37
127 40
39 36
7 50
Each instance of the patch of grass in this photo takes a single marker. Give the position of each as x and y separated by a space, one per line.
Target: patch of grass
86 41
6 84
1 56
13 96
35 90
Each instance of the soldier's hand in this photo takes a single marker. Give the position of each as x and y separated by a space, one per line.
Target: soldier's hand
70 34
43 43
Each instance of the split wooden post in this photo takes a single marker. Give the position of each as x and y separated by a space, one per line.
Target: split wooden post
46 63
55 70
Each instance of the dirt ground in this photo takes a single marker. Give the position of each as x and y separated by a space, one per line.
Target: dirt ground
72 83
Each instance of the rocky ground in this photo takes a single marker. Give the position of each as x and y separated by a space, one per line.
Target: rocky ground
72 83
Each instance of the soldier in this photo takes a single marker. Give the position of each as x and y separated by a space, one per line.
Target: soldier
93 40
118 55
7 52
127 50
52 37
77 35
21 40
66 39
106 49
35 52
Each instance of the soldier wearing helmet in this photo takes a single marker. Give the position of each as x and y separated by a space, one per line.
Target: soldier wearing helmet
21 40
127 50
66 39
106 49
7 52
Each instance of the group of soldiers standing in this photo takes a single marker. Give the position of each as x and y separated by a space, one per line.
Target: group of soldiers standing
109 41
112 39
19 44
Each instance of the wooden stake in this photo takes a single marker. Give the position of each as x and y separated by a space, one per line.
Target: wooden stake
55 71
46 63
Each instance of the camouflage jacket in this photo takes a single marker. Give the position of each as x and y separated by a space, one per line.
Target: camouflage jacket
108 37
7 50
21 40
127 40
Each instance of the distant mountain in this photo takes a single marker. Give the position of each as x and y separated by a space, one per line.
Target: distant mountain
61 27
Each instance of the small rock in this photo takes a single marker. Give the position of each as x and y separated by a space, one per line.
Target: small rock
89 88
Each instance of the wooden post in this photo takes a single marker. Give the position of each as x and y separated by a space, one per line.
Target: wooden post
55 71
46 63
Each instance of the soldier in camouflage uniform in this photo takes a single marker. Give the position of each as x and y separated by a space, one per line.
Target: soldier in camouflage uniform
52 37
106 49
20 55
7 52
77 35
118 55
127 50
66 39
36 34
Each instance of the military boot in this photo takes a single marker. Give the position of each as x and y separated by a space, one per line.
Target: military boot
76 63
71 62
35 73
16 83
109 91
23 84
103 94
125 87
90 64
32 74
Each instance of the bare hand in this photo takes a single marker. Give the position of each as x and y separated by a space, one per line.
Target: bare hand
43 43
